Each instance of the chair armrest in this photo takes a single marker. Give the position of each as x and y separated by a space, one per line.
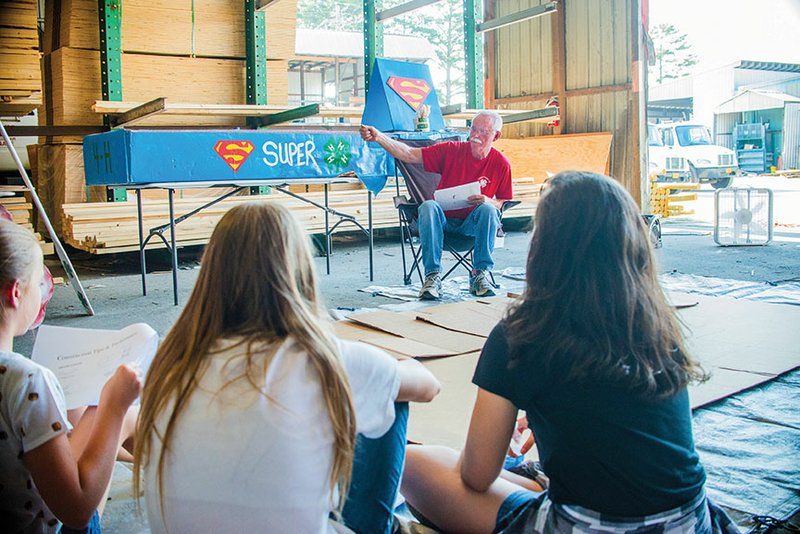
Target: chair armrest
401 200
508 204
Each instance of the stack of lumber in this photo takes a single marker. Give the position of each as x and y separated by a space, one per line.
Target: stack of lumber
20 74
186 50
191 51
666 200
21 210
113 227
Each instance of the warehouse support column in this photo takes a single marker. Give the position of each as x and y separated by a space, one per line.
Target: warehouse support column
473 60
110 19
255 34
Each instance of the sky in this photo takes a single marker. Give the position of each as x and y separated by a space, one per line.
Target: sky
724 31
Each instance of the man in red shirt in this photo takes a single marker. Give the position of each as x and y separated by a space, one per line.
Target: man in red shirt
459 163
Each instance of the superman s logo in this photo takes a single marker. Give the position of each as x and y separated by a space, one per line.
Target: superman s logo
234 153
413 91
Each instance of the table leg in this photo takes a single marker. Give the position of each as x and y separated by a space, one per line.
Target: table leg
327 235
371 247
171 193
142 260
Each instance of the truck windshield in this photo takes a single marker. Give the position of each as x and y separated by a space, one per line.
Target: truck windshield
653 137
693 135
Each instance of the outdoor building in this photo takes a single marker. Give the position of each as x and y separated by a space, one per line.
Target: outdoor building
335 61
751 106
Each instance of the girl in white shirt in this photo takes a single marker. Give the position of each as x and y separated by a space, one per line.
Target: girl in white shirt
251 409
51 476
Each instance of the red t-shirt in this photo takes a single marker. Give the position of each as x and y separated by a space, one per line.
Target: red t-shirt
455 162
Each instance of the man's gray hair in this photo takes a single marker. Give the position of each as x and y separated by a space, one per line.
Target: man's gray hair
497 120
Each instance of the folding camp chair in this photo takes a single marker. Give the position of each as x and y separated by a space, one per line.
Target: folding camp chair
421 186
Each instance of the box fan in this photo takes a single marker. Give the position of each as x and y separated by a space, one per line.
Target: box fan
742 216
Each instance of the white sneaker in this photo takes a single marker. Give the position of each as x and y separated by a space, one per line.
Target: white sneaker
479 285
432 288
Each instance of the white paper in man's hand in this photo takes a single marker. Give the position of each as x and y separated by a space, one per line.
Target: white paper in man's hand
454 198
83 359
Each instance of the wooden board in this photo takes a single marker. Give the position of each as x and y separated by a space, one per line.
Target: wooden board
540 157
20 75
60 179
75 76
202 28
76 84
112 227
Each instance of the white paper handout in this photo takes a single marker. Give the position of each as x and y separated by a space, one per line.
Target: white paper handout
83 359
454 198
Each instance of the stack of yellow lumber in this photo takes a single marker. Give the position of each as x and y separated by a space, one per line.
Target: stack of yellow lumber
21 210
666 199
113 227
186 50
20 75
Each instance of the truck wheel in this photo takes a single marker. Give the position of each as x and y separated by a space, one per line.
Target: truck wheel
694 176
722 183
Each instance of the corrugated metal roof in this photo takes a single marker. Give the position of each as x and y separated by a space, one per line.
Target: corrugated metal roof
329 43
753 100
767 65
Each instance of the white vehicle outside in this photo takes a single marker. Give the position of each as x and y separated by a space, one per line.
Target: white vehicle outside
663 164
707 162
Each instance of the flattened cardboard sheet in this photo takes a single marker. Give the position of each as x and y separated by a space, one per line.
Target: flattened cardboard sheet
743 335
407 347
405 324
470 317
354 332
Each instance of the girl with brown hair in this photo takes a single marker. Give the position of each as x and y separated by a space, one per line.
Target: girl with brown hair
595 357
251 406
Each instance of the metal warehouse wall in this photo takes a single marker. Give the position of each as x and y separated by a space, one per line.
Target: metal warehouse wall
586 54
791 136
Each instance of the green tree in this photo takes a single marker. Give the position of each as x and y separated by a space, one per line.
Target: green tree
673 53
442 26
338 15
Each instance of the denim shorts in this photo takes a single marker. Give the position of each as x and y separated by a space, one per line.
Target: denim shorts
92 528
515 504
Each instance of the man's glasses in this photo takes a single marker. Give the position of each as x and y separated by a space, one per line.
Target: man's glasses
482 131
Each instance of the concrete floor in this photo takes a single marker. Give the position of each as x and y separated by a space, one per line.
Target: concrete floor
114 288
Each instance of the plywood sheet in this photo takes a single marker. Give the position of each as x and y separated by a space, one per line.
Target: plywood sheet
540 157
76 85
205 28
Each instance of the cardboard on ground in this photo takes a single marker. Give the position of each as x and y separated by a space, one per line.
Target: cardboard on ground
741 343
476 317
438 341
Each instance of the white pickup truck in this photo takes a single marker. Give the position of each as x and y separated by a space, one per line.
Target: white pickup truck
684 151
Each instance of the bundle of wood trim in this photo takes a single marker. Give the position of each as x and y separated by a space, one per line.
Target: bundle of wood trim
20 74
102 228
21 210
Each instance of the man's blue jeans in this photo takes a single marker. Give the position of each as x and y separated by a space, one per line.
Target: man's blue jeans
377 469
482 224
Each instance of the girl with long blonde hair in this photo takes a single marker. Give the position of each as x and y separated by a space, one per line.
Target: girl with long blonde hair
251 406
595 357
